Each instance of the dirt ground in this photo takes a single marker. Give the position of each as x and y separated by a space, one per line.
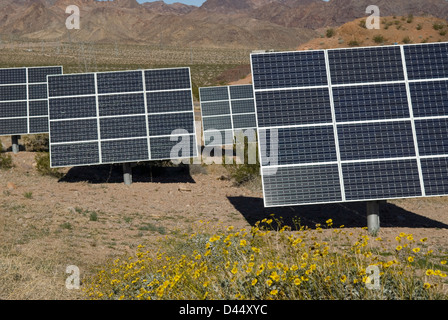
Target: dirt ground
89 217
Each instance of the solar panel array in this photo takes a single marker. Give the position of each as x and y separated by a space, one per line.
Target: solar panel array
226 112
24 101
121 117
359 124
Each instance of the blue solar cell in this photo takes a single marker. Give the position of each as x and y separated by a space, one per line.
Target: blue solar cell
121 104
12 76
166 124
173 101
217 123
167 79
381 180
123 127
124 150
363 65
115 82
71 85
77 154
39 74
301 185
241 92
215 108
298 145
435 176
376 140
38 125
13 93
289 70
429 98
218 137
13 109
181 147
427 61
73 131
208 94
371 102
293 107
243 106
241 121
71 108
37 92
38 108
432 136
13 126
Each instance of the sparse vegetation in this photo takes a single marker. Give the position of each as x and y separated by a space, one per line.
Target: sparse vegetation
379 39
407 40
5 159
36 143
362 24
438 26
353 43
330 33
270 261
28 195
410 18
43 166
419 26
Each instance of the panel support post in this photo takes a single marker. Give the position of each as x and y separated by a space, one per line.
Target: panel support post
373 217
15 144
127 174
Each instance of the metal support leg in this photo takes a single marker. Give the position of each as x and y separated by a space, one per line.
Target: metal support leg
373 217
127 174
15 144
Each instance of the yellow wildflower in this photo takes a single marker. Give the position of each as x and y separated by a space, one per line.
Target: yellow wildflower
254 282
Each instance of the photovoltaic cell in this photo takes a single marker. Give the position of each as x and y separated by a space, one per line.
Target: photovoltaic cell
119 117
227 110
373 126
24 101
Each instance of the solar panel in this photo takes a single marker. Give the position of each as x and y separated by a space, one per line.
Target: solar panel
358 124
227 111
24 101
121 117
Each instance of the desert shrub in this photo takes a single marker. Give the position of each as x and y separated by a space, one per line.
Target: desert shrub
5 159
379 39
36 143
43 165
438 26
442 32
407 40
270 261
363 24
353 43
330 33
410 18
419 26
246 172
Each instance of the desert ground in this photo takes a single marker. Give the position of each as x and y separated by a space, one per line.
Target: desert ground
89 217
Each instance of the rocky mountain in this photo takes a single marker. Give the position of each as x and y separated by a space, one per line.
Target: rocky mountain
279 24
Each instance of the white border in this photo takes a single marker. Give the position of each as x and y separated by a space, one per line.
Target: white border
406 81
146 115
229 100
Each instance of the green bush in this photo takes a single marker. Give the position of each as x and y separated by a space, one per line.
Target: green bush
5 159
43 165
407 40
330 33
353 43
36 143
379 39
438 26
246 172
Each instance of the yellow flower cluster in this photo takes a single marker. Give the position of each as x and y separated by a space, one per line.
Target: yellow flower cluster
270 261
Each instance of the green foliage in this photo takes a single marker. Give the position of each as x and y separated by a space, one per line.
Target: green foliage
362 24
330 33
353 43
407 40
410 18
438 26
36 143
43 165
379 39
5 159
419 26
245 172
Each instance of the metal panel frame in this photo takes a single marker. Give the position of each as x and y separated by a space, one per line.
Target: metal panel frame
28 100
194 152
340 162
